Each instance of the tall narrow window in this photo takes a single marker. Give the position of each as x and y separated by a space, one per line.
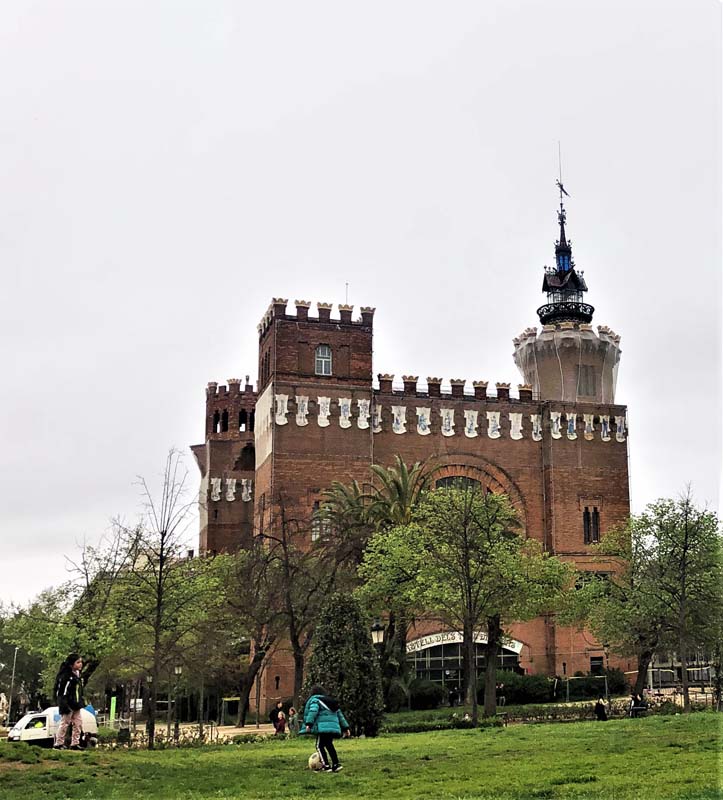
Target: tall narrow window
323 360
216 422
586 526
586 380
595 530
224 421
315 523
252 418
242 419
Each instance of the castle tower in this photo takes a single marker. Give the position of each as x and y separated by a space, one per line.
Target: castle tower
568 361
313 409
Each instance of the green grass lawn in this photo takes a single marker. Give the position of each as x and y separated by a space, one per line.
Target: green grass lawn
660 758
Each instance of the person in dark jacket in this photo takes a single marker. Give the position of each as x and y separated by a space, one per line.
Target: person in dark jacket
323 717
69 694
600 711
274 713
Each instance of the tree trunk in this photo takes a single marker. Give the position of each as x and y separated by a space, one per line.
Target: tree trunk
683 655
298 674
494 636
468 665
245 685
644 659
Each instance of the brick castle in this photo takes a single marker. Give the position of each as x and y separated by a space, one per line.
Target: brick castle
557 447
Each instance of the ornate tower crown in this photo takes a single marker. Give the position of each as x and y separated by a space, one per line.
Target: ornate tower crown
563 284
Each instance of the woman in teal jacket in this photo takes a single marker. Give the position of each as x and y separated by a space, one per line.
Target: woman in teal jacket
323 717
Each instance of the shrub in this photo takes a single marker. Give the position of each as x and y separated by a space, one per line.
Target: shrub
520 689
396 696
344 663
426 694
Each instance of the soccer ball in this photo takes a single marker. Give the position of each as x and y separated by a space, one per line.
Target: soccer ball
315 762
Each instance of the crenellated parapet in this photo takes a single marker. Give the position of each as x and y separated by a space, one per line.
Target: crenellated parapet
278 307
459 388
230 408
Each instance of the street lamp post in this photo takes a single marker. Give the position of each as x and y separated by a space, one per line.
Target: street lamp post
178 669
378 634
12 686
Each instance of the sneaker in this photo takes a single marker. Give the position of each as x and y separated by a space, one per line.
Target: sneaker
59 747
75 747
337 768
326 769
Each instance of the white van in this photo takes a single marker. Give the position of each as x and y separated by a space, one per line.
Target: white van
40 728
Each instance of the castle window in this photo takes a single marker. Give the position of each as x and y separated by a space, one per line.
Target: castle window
252 418
224 421
586 380
247 459
242 419
320 527
216 422
591 525
458 482
323 360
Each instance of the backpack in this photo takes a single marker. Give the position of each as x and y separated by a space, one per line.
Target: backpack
60 679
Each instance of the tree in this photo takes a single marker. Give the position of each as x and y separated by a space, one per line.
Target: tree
162 590
344 663
354 513
667 585
462 559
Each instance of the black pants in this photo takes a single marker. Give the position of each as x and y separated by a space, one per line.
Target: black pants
326 750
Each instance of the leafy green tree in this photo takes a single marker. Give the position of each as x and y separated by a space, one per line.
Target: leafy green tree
354 513
462 559
344 663
666 589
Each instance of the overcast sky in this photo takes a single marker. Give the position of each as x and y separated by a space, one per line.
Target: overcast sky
168 167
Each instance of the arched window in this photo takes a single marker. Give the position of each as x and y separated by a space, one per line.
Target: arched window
323 360
458 482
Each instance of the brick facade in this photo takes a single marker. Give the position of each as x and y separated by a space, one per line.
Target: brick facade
552 467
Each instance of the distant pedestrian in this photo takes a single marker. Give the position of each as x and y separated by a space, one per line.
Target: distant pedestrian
69 695
293 721
274 713
280 726
323 717
600 711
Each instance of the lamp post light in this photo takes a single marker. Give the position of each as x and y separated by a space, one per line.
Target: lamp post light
12 686
178 669
378 634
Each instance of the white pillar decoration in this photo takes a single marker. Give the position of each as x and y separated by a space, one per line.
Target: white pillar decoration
571 426
605 428
345 412
493 425
377 419
215 489
362 421
470 423
230 489
536 420
399 419
424 421
246 486
302 410
324 407
589 426
447 415
555 424
282 408
619 429
515 426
